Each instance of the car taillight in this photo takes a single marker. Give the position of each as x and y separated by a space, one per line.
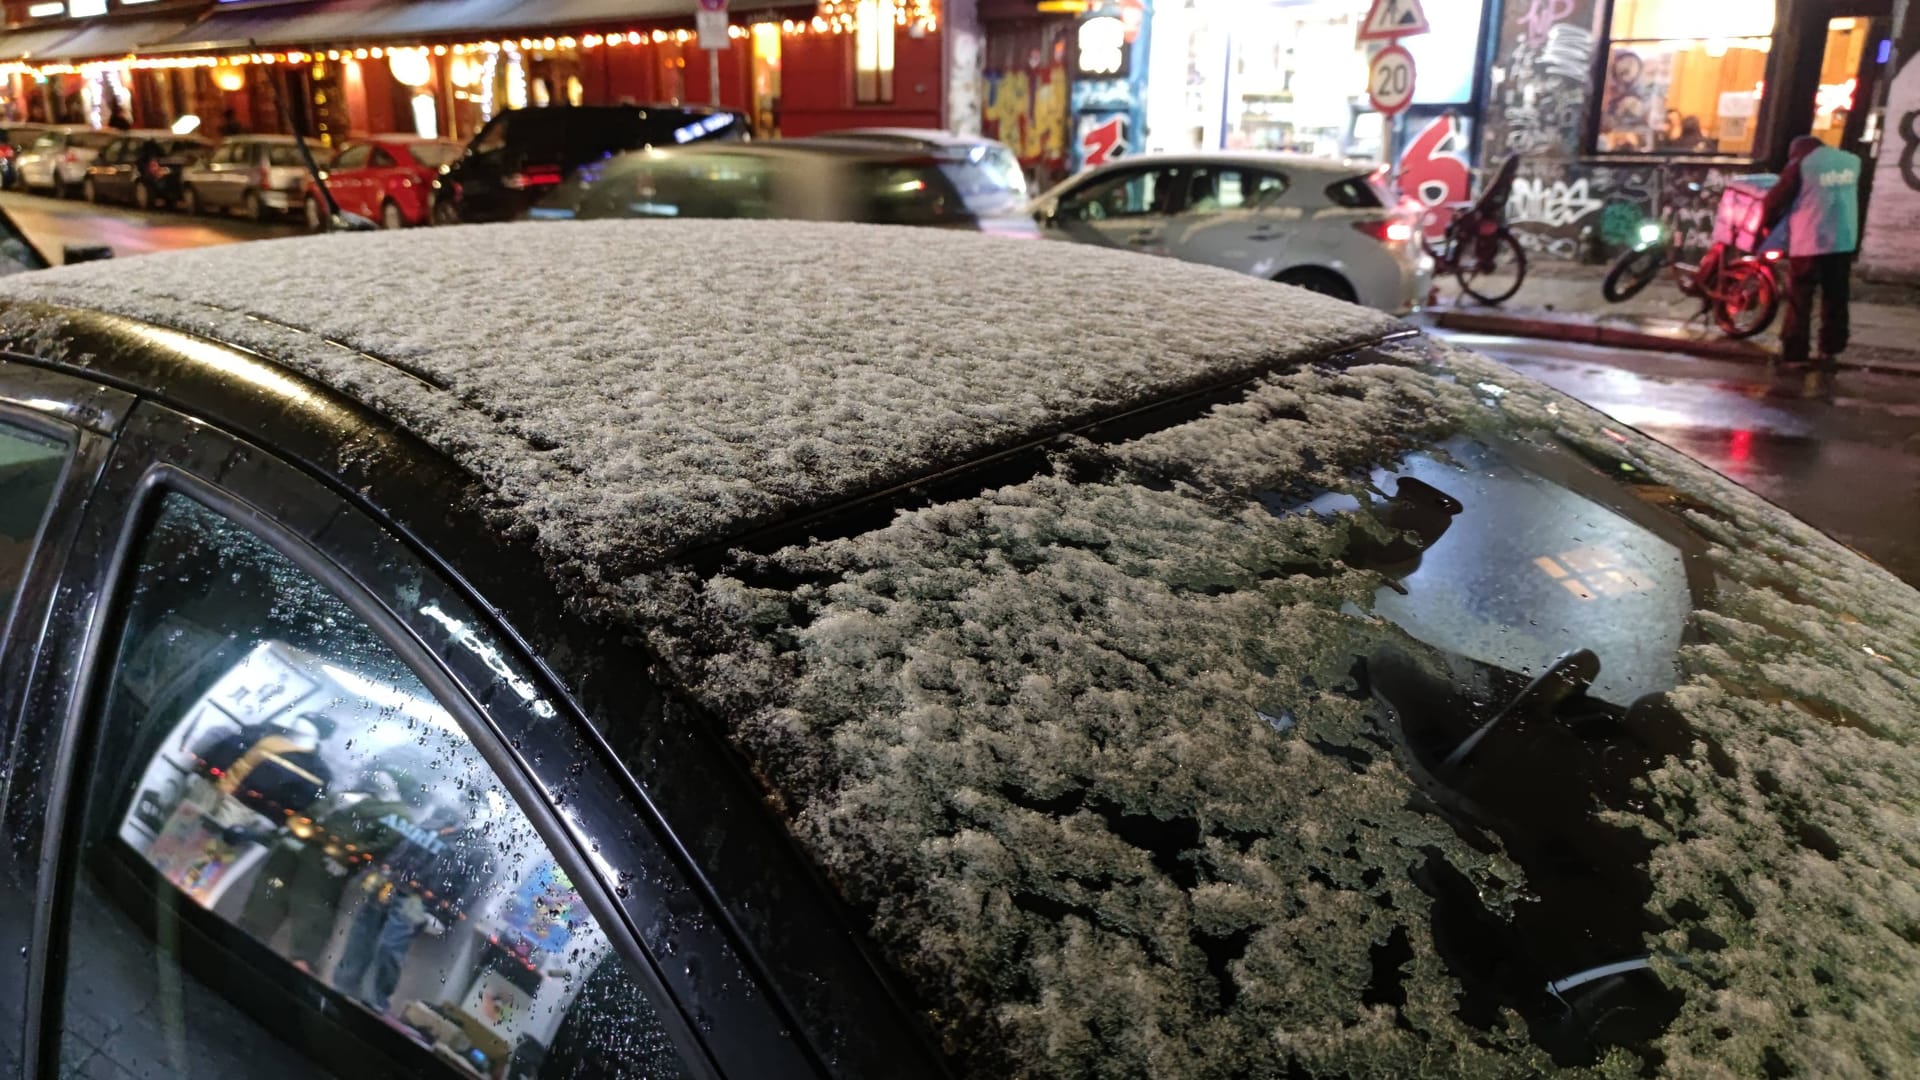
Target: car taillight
1387 232
266 176
72 157
6 152
536 177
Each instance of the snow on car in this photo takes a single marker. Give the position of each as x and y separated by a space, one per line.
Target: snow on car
911 672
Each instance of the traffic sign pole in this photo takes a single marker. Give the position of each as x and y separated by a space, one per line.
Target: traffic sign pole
711 21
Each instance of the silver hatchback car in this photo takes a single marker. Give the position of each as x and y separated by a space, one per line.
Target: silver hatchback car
1313 222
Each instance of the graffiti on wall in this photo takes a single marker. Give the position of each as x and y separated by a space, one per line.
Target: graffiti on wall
1102 138
1540 100
1027 110
1434 171
1887 248
1567 210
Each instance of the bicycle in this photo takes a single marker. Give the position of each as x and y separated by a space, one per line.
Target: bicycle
1741 291
1476 246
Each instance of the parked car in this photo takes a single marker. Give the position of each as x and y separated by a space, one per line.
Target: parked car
15 140
1319 224
985 171
900 653
58 159
522 154
144 168
800 179
386 178
259 175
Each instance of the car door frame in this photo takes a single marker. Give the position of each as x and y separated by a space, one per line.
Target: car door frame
1258 231
88 414
160 450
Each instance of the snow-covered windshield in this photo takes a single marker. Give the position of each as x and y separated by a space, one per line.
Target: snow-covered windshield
1390 720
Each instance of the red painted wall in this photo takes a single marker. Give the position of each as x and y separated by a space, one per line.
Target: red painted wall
659 74
816 84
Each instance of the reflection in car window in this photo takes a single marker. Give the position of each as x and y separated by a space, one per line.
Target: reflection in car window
1214 189
30 468
1146 192
284 155
296 864
353 157
1354 193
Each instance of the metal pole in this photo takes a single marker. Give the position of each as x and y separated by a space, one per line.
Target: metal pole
713 77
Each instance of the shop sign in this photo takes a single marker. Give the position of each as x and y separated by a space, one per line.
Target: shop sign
1390 20
1390 82
1100 48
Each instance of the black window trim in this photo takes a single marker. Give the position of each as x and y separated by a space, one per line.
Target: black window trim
65 797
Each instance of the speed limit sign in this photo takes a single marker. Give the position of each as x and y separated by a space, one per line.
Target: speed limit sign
1390 83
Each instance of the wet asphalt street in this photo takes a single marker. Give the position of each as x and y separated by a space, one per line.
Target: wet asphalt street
54 223
1841 452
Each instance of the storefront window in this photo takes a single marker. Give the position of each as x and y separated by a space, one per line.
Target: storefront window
873 53
1685 77
1267 75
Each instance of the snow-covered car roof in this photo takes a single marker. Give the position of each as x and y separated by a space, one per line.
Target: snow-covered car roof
637 388
1380 715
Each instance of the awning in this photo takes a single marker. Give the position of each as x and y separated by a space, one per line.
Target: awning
114 37
33 43
376 22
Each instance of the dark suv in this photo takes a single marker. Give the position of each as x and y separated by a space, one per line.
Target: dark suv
524 153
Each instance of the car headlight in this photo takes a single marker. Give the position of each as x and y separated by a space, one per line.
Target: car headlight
1649 233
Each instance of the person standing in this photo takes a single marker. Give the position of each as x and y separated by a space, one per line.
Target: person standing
1818 196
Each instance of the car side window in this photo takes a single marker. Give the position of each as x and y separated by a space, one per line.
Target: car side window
31 465
294 862
1126 194
1212 189
112 153
236 153
353 157
381 159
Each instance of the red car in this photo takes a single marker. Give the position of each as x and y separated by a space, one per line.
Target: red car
387 178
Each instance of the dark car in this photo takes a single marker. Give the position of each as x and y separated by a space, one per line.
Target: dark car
796 179
522 154
885 653
14 141
144 168
985 171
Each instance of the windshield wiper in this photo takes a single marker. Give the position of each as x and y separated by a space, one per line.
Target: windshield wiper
1570 675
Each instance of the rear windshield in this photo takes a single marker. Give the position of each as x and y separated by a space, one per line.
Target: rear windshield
1385 719
988 179
49 141
279 154
434 154
1355 193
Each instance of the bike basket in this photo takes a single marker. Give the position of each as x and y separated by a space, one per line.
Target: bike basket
1738 222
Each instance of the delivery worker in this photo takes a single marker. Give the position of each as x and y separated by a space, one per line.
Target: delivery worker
1818 197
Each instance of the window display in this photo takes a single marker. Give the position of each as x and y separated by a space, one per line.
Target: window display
1684 77
277 788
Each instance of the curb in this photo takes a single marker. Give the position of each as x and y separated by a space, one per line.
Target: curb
1619 337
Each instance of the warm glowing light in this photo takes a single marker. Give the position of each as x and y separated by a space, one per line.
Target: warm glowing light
229 79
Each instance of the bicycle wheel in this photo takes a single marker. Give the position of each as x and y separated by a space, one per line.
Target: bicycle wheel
1746 301
1493 267
1633 272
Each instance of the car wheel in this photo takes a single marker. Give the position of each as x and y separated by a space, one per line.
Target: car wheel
142 196
88 191
1324 282
390 216
190 200
252 207
315 215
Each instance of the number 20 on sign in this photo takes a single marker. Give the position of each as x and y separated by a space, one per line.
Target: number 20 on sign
1390 83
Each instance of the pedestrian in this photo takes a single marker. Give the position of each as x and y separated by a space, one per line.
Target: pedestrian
1818 197
230 123
118 120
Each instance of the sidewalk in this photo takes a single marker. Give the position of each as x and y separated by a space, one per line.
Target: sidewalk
1561 301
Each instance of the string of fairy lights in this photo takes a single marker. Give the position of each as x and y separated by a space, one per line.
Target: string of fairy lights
831 17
